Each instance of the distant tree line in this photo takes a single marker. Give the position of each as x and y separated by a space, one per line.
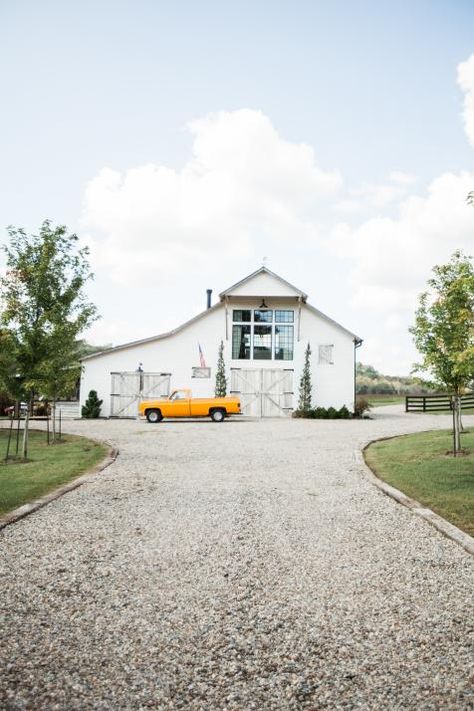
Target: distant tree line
371 382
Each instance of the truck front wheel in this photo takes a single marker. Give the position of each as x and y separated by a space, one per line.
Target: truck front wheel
154 416
218 415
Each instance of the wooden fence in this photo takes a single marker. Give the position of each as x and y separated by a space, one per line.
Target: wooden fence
435 403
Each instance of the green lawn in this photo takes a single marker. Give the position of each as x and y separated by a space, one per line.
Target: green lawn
379 400
48 467
419 466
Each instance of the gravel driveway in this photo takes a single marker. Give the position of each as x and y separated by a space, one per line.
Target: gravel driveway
244 565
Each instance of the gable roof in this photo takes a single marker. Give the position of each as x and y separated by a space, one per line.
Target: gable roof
263 270
159 337
222 295
330 320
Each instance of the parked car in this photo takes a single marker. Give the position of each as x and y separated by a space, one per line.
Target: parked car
23 408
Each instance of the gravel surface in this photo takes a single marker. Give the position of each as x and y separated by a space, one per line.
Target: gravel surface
243 565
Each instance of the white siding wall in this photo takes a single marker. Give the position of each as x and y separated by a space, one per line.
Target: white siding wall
333 385
177 354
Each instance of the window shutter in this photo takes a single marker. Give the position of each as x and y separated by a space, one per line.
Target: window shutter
326 355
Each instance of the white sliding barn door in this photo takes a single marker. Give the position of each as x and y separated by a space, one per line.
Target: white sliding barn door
264 392
277 393
128 389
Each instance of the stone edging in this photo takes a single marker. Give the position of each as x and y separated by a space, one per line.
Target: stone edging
447 529
27 509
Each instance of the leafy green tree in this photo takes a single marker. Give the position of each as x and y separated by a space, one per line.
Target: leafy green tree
367 371
306 388
92 406
84 349
221 380
9 380
444 330
44 306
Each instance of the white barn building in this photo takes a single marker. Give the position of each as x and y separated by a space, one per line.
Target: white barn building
265 324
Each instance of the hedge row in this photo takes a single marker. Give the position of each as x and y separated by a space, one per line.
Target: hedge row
324 413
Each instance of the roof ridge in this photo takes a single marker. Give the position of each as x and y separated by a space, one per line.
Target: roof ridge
263 270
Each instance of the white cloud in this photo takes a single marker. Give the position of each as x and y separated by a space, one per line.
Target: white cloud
243 187
242 181
389 352
392 259
466 82
398 176
376 196
393 256
105 332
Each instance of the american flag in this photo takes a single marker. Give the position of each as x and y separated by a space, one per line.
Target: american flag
201 357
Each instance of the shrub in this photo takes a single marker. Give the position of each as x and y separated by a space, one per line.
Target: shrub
91 408
344 413
322 413
299 413
41 409
361 405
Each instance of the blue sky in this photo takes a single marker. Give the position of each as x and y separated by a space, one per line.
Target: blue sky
370 87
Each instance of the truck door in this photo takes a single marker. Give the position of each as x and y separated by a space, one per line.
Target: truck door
180 404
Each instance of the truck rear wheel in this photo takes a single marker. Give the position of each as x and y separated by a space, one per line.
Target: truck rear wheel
154 416
218 415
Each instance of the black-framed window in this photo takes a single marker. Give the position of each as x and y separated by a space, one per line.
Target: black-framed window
284 316
262 342
241 342
262 334
284 339
241 315
263 316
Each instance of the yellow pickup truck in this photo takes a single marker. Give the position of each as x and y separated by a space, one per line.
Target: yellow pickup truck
182 404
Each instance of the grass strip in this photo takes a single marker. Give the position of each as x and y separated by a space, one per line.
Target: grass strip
47 467
382 400
418 465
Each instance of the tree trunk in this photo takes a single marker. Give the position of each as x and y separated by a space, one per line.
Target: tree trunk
460 427
456 402
53 431
25 432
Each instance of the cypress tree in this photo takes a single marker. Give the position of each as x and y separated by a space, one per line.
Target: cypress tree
221 380
305 383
